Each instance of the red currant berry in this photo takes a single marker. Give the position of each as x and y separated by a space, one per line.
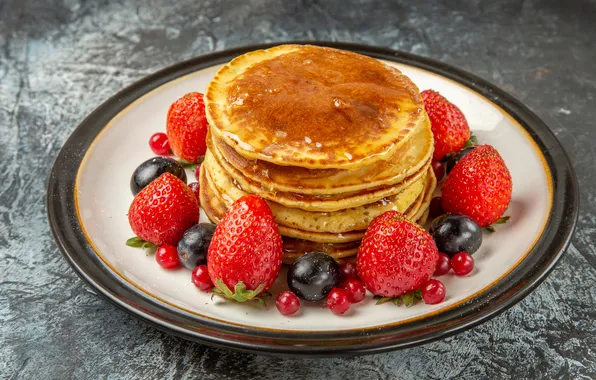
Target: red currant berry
462 263
338 301
433 292
200 277
287 303
159 144
439 170
435 209
355 290
198 171
195 187
443 265
347 271
167 256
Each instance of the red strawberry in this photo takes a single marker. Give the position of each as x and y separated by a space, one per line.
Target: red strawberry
479 186
449 125
245 253
187 127
396 256
163 210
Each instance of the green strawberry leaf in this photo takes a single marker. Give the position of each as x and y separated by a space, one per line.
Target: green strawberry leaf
417 294
240 293
191 165
137 242
408 299
490 229
396 301
381 300
473 140
503 220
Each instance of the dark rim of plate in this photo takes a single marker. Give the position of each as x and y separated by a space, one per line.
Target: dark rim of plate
503 294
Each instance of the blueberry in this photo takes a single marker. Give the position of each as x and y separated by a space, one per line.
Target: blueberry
151 169
313 275
192 248
452 159
456 233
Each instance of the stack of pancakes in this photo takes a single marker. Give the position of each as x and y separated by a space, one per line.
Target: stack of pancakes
330 139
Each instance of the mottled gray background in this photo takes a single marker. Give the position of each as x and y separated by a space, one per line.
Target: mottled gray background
61 59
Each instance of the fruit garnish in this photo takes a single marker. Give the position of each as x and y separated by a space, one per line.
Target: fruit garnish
159 144
198 170
435 209
479 186
473 140
455 233
167 256
355 289
338 301
245 254
449 125
186 127
312 276
163 211
407 299
193 247
347 271
443 265
192 165
151 169
438 169
241 293
502 220
462 263
287 303
200 278
433 292
396 256
451 159
195 187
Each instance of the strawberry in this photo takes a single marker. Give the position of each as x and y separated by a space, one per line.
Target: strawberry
245 254
449 125
163 211
479 186
187 127
396 256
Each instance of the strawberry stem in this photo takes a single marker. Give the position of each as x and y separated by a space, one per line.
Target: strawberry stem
240 293
137 242
191 165
408 299
473 140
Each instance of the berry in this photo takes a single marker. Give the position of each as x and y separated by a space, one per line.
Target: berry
159 144
355 289
396 256
452 159
449 125
313 275
433 292
245 254
443 265
338 301
479 186
462 263
438 169
287 303
151 169
200 277
167 256
347 271
435 209
195 188
192 248
198 171
455 233
187 127
163 211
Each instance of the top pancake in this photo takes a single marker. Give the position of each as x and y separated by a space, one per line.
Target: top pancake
312 107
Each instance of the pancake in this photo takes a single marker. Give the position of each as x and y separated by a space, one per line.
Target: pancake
313 107
340 221
416 152
328 203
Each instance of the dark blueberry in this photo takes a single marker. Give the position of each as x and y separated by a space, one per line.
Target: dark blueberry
313 275
454 158
456 233
151 169
192 249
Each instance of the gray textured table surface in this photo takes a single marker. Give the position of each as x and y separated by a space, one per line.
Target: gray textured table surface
61 59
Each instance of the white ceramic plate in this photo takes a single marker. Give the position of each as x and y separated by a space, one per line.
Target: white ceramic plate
89 196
